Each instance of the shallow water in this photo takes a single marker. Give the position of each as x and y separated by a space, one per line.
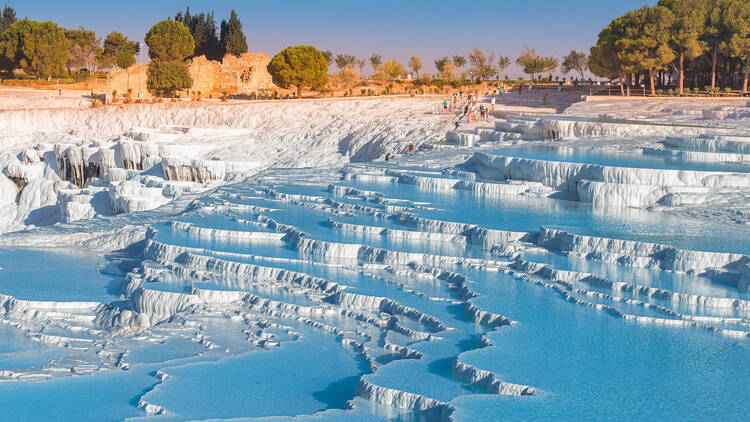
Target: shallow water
367 320
605 157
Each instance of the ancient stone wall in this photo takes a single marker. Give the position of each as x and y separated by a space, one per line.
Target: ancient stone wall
245 74
133 77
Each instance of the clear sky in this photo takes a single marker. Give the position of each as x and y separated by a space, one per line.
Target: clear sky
393 29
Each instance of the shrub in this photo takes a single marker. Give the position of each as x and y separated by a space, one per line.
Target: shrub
670 92
696 91
362 91
728 90
168 77
659 92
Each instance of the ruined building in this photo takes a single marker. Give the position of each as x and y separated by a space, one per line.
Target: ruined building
245 74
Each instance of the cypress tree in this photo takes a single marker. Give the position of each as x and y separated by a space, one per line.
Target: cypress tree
210 46
232 38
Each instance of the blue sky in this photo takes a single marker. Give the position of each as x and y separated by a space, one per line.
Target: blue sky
393 29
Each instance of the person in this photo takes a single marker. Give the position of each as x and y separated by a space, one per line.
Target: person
411 148
388 157
544 99
470 111
445 106
493 103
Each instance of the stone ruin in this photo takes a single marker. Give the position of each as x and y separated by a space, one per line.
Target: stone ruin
243 75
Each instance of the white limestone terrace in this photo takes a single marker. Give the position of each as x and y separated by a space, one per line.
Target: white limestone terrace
121 159
378 256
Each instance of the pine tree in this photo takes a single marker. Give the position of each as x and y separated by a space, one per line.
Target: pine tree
687 27
232 38
210 46
7 18
646 40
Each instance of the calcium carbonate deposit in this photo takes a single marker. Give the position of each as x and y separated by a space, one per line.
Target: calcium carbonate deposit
264 260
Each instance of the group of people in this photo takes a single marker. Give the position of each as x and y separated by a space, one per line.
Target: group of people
409 150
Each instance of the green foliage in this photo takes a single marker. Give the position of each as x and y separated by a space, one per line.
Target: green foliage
686 30
604 60
167 77
737 20
328 55
203 29
482 66
459 61
375 61
115 44
533 63
169 40
503 62
7 18
645 45
232 38
124 60
444 67
299 66
40 48
84 48
345 61
394 69
575 60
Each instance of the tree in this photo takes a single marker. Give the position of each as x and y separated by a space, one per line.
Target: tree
393 69
375 61
115 44
737 21
444 67
549 64
169 40
482 66
299 66
686 30
646 40
530 62
169 44
124 60
7 18
575 60
605 59
40 48
210 46
232 38
167 77
328 55
203 29
415 63
715 33
503 62
459 61
361 63
84 47
345 61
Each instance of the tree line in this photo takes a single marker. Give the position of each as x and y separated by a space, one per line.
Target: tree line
44 49
705 42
